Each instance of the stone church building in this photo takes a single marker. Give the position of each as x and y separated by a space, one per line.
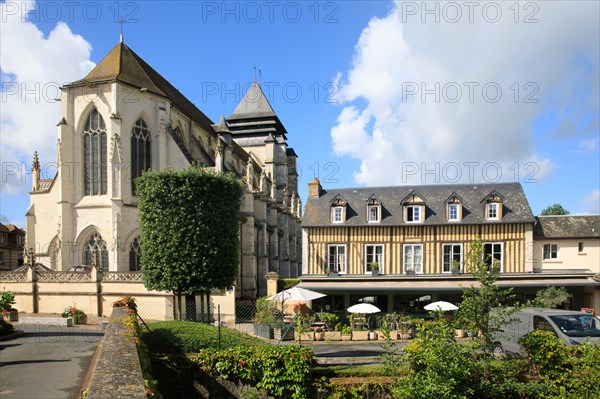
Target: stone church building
124 118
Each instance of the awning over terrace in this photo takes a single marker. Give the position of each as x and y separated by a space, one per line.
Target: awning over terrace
388 286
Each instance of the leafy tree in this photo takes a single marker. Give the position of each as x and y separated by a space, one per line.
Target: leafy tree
189 229
551 297
484 308
556 209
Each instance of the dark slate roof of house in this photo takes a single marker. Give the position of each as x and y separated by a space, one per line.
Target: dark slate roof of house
515 206
585 226
123 65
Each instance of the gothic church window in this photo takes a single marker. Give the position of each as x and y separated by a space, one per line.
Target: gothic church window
94 155
135 255
141 159
95 251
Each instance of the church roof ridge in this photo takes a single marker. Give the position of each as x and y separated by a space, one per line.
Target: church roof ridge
253 105
124 65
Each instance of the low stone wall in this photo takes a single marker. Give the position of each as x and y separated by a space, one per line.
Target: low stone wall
118 374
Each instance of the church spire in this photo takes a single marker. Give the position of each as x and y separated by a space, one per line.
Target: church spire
35 172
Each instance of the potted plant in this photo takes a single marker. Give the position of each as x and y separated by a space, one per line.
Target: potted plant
374 269
405 327
264 318
372 335
410 271
78 316
333 273
7 299
359 325
336 334
389 326
346 333
303 331
319 334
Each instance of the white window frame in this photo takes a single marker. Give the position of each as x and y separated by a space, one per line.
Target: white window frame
492 211
501 252
549 252
419 217
3 238
377 215
378 258
341 270
19 240
451 245
335 214
455 207
417 270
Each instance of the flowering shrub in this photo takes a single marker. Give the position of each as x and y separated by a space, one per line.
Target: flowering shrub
73 312
125 302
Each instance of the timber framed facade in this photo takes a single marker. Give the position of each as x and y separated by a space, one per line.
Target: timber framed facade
395 246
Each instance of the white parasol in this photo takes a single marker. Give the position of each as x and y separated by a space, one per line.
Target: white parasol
364 308
441 305
296 294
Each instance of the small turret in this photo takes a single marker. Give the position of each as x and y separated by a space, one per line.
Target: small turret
35 173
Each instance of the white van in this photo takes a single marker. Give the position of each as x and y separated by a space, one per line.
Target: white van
572 327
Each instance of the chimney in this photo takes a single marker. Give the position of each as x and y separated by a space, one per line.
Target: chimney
314 189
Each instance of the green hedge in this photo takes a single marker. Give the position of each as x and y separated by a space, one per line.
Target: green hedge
283 371
188 337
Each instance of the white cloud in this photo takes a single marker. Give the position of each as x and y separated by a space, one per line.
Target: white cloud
468 92
33 68
591 202
588 146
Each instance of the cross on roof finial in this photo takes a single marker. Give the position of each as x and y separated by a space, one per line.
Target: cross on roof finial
259 77
121 22
254 74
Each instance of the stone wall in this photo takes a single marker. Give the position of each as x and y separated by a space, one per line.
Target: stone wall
118 373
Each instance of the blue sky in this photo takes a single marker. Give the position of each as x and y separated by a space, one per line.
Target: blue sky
371 92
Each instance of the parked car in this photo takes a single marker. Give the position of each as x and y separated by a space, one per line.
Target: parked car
572 327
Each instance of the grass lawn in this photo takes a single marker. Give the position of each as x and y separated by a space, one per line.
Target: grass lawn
188 337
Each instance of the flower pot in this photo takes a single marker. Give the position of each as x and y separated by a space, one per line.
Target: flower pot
393 335
79 319
346 337
375 273
456 272
360 335
459 333
333 336
405 335
373 335
307 336
320 336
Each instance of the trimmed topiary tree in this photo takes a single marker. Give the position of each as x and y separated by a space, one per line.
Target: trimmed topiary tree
189 222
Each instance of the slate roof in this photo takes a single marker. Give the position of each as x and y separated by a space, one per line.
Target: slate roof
515 205
587 226
254 116
123 65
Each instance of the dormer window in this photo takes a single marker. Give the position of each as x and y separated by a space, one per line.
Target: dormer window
454 208
338 210
373 210
493 206
414 208
453 212
413 213
373 214
492 211
337 214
